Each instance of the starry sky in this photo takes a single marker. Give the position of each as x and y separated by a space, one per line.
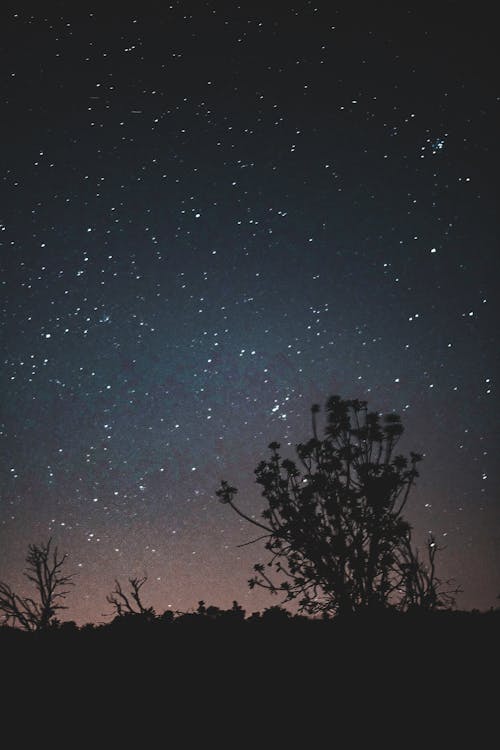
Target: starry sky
214 215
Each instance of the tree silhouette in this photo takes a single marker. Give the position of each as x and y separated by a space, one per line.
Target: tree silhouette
44 570
131 603
333 522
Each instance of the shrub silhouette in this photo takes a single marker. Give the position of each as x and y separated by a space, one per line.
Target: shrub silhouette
333 522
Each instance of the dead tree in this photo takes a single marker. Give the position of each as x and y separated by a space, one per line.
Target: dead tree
131 603
44 570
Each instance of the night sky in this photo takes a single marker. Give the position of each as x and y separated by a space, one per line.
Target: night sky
212 216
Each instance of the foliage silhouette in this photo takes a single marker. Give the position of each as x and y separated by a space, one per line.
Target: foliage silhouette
215 614
333 522
44 570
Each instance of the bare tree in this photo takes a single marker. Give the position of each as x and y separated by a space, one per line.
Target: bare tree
131 603
44 570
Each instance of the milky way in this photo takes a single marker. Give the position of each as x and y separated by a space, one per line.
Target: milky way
213 217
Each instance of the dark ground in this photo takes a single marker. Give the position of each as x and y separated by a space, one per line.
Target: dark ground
410 679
